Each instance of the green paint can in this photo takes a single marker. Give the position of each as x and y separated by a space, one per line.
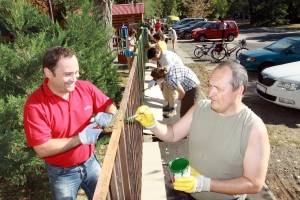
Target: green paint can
179 167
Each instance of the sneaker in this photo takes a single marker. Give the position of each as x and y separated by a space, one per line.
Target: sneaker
167 108
172 113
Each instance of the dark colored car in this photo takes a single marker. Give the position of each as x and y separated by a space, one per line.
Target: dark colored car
283 51
212 30
186 32
186 20
191 23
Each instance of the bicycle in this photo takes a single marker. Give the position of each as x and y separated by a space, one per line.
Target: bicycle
221 50
203 50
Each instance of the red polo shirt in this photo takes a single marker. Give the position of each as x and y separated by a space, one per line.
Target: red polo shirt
47 116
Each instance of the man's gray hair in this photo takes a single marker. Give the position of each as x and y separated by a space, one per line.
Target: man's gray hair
239 74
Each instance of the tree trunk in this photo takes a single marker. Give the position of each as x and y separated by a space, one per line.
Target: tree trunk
105 8
251 12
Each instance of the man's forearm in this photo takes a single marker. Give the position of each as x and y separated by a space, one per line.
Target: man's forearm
163 132
239 185
57 146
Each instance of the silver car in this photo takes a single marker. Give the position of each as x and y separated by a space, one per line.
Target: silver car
280 85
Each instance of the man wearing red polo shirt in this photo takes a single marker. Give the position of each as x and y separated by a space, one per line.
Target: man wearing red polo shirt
57 124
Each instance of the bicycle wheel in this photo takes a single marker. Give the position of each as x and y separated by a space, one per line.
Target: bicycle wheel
218 55
198 52
241 50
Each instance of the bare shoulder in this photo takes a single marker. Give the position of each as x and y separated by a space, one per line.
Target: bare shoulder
259 133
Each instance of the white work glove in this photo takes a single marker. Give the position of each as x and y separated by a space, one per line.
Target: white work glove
90 134
103 119
178 102
148 31
151 84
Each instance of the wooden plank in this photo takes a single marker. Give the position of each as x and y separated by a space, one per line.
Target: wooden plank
102 187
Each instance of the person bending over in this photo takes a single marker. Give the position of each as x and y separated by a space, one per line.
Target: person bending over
183 80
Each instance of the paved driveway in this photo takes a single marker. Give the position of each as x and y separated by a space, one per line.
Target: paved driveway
256 38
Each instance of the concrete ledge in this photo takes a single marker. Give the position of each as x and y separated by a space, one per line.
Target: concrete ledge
154 65
153 184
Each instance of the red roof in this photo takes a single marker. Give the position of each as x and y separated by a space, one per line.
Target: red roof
127 9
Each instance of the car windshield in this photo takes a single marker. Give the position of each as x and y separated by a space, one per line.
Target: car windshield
280 45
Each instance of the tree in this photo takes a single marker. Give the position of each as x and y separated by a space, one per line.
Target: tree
268 12
170 7
293 10
21 72
105 13
219 9
153 8
197 8
238 6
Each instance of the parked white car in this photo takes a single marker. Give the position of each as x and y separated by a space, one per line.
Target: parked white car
280 84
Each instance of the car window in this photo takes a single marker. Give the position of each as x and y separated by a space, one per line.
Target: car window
281 45
207 25
191 22
296 48
185 21
232 24
215 26
198 25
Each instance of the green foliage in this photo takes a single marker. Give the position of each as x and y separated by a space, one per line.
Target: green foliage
197 8
153 8
271 13
21 72
238 5
219 8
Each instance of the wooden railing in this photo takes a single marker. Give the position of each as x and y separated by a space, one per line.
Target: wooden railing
121 172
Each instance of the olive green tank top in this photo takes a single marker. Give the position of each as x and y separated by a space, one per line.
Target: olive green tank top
217 145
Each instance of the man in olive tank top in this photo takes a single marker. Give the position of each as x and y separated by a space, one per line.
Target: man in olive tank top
228 143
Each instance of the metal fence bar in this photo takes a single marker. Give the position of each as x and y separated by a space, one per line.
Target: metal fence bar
121 172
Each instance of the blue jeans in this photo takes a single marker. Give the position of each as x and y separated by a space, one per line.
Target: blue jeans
65 182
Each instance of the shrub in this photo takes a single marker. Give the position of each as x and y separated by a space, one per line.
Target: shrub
21 72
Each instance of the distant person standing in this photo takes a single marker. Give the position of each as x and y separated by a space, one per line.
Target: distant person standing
223 29
158 25
154 21
123 26
130 44
124 33
173 36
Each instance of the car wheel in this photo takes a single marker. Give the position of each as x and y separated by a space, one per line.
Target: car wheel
230 37
186 36
264 66
201 38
